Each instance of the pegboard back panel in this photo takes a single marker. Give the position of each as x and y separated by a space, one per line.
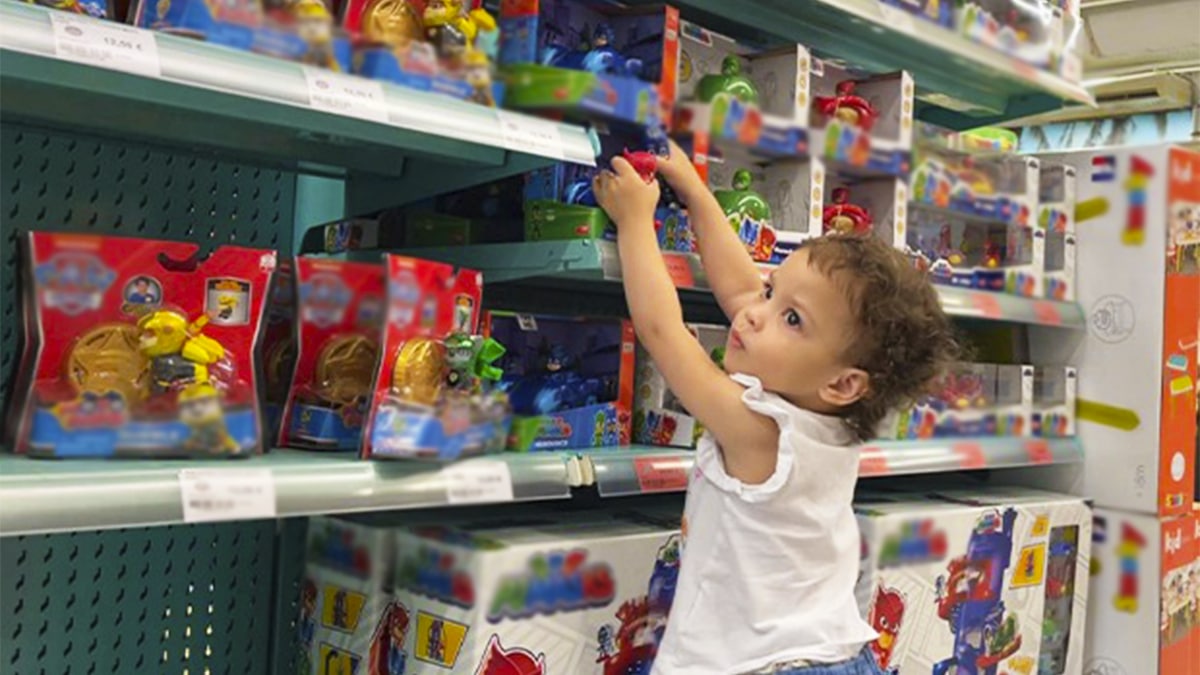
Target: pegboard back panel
68 183
185 600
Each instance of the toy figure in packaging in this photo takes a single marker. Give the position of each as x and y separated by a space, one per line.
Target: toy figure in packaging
152 349
750 216
729 83
843 217
432 398
848 106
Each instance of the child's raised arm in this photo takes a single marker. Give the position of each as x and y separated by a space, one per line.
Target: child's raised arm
731 271
749 441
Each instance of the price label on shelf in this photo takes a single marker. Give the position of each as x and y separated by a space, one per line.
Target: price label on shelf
679 267
104 44
970 455
530 135
346 95
476 481
226 494
986 304
661 474
1047 313
1039 451
872 462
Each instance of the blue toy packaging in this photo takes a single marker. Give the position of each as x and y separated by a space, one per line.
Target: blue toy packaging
570 380
990 580
433 395
590 58
94 8
141 348
975 399
339 323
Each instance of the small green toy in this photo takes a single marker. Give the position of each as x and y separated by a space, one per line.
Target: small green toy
469 360
730 82
749 215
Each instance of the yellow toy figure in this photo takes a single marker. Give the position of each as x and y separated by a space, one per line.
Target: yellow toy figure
179 353
200 410
314 25
452 30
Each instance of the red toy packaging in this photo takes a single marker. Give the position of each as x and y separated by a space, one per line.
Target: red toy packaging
430 400
150 348
338 325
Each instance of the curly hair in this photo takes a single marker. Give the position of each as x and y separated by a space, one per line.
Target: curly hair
902 340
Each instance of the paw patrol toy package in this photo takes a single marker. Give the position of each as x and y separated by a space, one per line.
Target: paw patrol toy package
570 380
982 581
432 394
339 323
142 348
658 417
976 399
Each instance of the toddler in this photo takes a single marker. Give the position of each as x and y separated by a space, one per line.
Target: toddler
840 333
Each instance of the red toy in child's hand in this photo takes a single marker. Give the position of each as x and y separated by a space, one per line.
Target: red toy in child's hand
848 106
645 163
843 217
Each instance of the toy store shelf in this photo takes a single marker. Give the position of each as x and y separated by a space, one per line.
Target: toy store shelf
258 108
973 304
643 470
42 496
962 84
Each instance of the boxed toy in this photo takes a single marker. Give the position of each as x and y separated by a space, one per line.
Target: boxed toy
1029 31
278 357
590 58
1139 283
570 380
1145 594
95 8
867 207
940 12
864 124
339 322
976 581
142 348
432 395
976 399
589 595
1053 401
658 417
734 95
1056 220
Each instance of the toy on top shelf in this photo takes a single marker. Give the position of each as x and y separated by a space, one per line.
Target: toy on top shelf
590 59
432 398
1056 221
866 123
658 417
843 217
94 8
1029 31
749 215
151 351
570 380
976 399
940 12
1054 402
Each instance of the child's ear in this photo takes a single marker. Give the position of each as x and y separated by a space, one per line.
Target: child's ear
850 385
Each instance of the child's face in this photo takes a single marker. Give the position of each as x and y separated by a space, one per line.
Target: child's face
793 339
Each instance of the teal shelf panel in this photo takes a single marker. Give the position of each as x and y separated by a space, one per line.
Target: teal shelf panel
639 470
42 496
961 84
253 107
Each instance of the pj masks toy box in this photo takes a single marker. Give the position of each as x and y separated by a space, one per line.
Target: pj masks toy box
570 380
141 348
590 595
982 581
658 417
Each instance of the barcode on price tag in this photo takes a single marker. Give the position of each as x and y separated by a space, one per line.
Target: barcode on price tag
105 44
530 135
346 95
478 481
226 494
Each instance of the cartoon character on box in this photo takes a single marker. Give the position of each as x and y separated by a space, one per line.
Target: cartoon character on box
969 600
887 614
498 660
314 25
750 215
630 648
597 54
388 655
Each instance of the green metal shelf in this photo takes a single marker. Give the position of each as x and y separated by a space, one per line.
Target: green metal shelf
551 263
961 84
253 107
643 470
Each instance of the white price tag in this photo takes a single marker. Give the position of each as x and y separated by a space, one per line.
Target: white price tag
530 135
478 480
104 44
897 18
346 95
226 494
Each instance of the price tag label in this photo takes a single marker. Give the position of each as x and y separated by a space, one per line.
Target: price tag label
477 481
226 494
1039 451
661 474
346 95
896 18
104 44
872 462
679 267
530 135
970 455
1047 313
986 304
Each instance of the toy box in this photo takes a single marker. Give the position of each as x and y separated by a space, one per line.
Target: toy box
339 323
570 380
95 8
432 395
1054 392
961 251
940 12
867 207
738 96
1139 284
863 123
590 58
589 595
278 356
976 399
1056 220
985 580
1145 595
658 417
1000 188
1029 31
141 348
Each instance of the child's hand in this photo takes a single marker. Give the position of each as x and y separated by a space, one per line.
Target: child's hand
679 172
624 195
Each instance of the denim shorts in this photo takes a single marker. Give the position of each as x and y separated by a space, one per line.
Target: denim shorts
863 664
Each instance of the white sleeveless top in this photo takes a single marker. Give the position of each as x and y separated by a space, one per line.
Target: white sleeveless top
768 571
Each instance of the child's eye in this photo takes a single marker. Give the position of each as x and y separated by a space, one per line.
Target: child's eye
793 318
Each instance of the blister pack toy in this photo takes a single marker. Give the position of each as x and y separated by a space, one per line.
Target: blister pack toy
433 396
339 322
570 380
143 348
